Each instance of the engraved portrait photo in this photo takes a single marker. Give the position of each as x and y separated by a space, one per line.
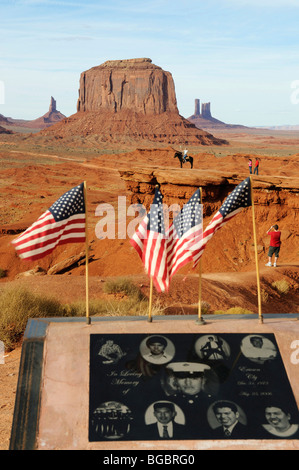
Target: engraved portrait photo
227 420
110 352
258 349
189 379
212 348
279 421
111 420
157 349
164 420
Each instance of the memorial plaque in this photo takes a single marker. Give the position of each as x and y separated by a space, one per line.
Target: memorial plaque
189 386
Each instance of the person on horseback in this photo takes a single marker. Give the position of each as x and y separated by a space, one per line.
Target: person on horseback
185 155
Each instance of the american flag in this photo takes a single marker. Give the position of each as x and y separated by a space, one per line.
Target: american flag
150 243
233 204
184 234
63 222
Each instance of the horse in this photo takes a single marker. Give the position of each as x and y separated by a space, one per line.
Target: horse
179 155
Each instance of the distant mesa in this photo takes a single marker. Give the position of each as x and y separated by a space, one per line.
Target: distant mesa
205 120
135 84
129 100
51 117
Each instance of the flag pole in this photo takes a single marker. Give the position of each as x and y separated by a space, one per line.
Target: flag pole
256 258
86 257
150 301
200 320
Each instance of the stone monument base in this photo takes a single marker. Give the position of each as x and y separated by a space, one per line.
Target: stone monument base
98 386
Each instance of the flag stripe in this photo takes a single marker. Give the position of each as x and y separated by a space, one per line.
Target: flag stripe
180 250
49 229
164 253
233 204
64 222
150 243
216 223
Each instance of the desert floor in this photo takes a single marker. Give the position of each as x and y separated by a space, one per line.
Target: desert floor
36 171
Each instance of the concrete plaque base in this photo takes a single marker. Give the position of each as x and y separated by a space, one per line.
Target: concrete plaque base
104 386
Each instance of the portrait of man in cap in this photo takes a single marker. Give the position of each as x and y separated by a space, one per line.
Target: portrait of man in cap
164 421
189 379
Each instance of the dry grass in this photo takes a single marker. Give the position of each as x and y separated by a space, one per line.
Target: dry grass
281 286
233 311
124 286
18 305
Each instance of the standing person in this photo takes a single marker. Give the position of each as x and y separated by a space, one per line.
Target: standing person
250 166
275 243
256 166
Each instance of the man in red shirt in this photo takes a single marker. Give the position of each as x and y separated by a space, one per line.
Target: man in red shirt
274 244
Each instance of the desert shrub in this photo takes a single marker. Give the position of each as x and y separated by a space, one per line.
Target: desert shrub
114 307
281 286
17 306
264 296
234 311
123 286
205 307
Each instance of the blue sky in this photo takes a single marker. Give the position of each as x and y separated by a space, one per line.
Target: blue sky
242 56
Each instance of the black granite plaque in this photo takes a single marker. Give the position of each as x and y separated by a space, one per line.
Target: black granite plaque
189 386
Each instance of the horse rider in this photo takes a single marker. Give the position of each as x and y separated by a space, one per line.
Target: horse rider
185 155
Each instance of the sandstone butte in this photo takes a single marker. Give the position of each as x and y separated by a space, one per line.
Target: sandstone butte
48 119
132 99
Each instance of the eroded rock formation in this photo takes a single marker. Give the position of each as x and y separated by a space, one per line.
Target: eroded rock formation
125 101
51 117
204 120
135 84
275 201
178 186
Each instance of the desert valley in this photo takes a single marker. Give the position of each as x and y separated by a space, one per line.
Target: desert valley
122 142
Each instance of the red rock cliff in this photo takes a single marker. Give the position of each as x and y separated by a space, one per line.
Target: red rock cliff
130 101
134 84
